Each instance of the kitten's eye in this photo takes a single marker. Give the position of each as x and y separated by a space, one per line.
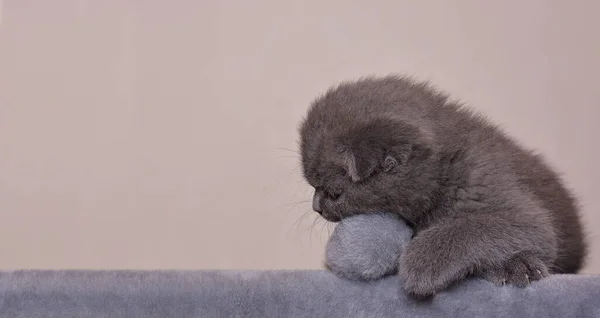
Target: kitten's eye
329 193
333 194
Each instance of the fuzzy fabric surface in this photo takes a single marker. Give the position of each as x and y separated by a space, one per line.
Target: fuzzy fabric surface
361 255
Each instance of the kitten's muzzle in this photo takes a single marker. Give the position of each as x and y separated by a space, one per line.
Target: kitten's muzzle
319 199
317 202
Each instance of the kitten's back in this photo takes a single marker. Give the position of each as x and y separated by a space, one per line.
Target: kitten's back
549 189
464 128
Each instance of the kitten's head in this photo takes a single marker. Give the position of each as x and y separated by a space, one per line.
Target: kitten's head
361 156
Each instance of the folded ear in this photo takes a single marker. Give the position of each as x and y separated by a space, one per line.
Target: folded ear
379 145
361 161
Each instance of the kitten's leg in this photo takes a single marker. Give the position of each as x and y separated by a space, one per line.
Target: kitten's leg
454 248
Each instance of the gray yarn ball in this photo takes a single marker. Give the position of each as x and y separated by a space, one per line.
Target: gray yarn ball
367 246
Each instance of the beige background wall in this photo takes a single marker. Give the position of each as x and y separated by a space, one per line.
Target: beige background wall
147 134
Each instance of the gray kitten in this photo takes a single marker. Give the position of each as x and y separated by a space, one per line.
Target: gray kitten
479 203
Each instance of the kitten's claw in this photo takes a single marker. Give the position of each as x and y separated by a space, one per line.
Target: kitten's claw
520 271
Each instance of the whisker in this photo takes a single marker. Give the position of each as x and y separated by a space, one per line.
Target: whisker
296 169
299 221
312 227
281 157
325 225
294 205
330 227
288 149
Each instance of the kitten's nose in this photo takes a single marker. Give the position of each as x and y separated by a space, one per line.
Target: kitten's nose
316 204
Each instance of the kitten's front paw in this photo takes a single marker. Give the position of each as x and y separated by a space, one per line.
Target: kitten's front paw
520 270
419 285
423 276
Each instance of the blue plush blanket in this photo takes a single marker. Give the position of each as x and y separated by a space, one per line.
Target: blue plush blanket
278 294
362 256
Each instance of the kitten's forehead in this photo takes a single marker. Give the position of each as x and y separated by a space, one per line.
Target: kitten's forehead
334 115
323 145
321 159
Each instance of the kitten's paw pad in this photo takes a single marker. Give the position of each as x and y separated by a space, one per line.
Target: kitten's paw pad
520 270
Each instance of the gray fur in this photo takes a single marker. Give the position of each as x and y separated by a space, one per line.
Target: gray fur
479 203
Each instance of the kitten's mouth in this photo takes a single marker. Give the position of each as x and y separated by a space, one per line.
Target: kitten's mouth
331 218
